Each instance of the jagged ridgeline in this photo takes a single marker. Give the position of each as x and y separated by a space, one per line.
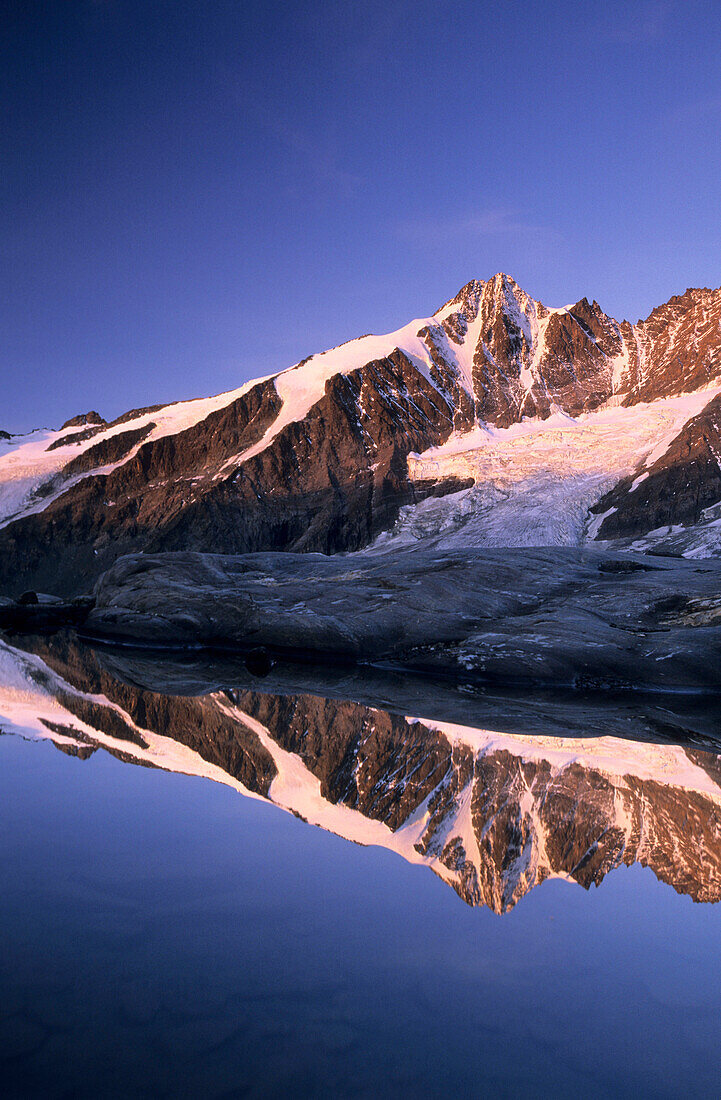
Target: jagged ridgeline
496 421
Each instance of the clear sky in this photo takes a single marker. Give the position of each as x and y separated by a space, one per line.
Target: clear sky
196 193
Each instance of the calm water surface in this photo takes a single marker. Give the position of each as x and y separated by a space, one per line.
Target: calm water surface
166 935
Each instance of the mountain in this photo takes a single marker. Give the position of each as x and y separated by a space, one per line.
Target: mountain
495 421
492 813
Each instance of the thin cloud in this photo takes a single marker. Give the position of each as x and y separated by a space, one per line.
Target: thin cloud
491 222
313 152
645 21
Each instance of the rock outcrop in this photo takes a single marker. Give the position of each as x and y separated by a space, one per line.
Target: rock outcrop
675 489
34 611
578 618
81 419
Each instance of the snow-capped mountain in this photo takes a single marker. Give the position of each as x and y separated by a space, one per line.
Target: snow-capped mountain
522 418
494 814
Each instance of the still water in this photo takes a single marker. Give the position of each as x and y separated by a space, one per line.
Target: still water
477 910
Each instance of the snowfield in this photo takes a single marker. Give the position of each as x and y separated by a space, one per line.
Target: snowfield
536 480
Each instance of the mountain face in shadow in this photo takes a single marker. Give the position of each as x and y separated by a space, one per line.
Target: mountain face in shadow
493 812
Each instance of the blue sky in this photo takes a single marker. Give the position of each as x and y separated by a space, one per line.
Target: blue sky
193 194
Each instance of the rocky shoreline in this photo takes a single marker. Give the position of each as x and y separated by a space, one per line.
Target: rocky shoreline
39 612
584 619
581 618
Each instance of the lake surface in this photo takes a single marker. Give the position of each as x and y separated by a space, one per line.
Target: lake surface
482 911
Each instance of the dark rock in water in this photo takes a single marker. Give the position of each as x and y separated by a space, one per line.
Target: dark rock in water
91 417
258 661
87 603
37 611
5 435
524 617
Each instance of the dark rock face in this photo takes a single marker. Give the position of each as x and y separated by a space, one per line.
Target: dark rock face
568 355
678 345
97 426
676 488
493 820
84 529
330 482
528 358
111 450
337 476
75 438
91 417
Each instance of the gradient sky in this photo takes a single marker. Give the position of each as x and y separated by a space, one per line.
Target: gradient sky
193 194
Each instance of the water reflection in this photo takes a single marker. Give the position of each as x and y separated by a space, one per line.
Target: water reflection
494 794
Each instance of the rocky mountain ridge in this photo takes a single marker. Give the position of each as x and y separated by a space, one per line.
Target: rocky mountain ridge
317 456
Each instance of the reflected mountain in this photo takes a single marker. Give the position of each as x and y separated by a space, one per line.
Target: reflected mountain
495 794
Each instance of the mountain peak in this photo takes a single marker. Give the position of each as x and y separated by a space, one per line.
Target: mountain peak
82 419
471 292
502 278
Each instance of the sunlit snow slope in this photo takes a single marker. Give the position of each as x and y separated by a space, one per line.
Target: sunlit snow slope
536 480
